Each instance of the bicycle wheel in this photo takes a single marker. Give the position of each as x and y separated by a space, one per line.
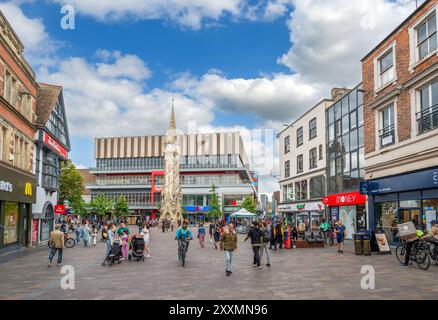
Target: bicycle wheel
69 243
400 253
422 258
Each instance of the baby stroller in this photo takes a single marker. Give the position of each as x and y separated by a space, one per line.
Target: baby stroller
137 249
115 253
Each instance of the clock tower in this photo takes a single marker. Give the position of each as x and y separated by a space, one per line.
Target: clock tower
171 197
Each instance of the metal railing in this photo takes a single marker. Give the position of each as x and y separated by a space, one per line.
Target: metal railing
387 136
427 119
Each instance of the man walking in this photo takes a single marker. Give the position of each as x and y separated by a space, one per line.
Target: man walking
229 245
256 241
278 235
57 240
265 240
325 228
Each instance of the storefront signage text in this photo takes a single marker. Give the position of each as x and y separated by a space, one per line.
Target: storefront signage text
55 145
6 186
345 199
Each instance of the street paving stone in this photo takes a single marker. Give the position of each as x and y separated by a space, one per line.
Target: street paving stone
295 274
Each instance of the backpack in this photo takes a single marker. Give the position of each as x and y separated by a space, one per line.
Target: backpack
266 235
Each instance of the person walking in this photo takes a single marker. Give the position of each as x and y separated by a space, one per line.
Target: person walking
110 235
85 233
228 244
146 236
256 241
139 224
217 234
57 240
325 229
210 231
94 235
340 236
272 240
201 234
266 239
278 235
122 229
125 240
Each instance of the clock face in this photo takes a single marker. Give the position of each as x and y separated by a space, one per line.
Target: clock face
170 147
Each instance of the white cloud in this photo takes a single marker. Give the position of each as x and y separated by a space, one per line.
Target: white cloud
329 38
188 13
39 47
113 102
277 97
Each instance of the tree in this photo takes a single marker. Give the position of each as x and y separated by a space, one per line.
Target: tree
249 204
214 211
101 205
121 207
71 186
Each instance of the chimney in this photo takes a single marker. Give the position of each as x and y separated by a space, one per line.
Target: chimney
339 92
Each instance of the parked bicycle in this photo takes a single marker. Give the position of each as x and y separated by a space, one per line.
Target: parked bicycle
419 254
68 242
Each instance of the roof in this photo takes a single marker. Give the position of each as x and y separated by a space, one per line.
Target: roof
397 29
47 98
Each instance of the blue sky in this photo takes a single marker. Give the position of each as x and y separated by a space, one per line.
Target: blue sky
243 65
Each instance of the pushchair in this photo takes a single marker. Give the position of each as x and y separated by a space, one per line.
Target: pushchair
115 253
137 249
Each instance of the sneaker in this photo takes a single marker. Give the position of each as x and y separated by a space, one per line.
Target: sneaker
404 266
259 267
49 264
148 256
342 251
228 273
254 265
268 264
59 263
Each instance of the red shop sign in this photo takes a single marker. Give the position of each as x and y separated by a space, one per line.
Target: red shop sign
344 199
55 145
60 209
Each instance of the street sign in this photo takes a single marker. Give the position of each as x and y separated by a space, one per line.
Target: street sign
364 187
60 209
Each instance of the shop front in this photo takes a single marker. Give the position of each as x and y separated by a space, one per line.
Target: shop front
309 213
196 214
350 209
17 193
407 197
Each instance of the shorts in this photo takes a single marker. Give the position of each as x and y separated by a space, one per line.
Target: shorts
340 239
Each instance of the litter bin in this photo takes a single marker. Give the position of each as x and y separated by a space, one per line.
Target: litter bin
362 243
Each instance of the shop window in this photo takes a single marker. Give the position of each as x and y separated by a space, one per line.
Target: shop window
10 222
430 210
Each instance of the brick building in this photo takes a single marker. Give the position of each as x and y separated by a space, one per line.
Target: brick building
18 91
400 80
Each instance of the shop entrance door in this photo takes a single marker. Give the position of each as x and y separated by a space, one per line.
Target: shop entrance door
406 215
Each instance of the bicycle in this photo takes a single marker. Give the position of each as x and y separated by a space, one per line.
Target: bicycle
433 254
419 254
183 250
68 242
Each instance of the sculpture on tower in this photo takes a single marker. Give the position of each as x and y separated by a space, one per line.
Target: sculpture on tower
171 196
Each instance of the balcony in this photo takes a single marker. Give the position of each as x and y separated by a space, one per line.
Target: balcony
387 136
427 119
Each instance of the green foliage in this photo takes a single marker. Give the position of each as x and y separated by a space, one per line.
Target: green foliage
121 207
249 204
71 186
214 211
101 205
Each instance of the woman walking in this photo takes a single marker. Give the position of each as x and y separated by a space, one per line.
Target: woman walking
109 235
85 233
125 239
201 234
146 234
217 234
94 234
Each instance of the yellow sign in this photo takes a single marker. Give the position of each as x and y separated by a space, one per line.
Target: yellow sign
28 189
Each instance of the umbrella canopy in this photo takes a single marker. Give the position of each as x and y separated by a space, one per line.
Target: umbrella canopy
243 213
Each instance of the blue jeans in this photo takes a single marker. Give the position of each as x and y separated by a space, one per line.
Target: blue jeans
229 258
53 252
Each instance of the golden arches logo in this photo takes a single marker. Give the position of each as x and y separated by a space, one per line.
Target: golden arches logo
28 190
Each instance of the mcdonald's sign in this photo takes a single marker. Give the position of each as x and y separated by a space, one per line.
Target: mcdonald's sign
28 189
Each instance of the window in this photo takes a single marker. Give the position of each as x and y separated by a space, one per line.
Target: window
321 156
426 37
386 68
299 136
313 162
51 172
312 129
300 163
317 187
287 169
287 144
387 126
427 117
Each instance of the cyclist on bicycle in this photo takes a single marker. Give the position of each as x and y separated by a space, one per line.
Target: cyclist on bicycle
183 234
